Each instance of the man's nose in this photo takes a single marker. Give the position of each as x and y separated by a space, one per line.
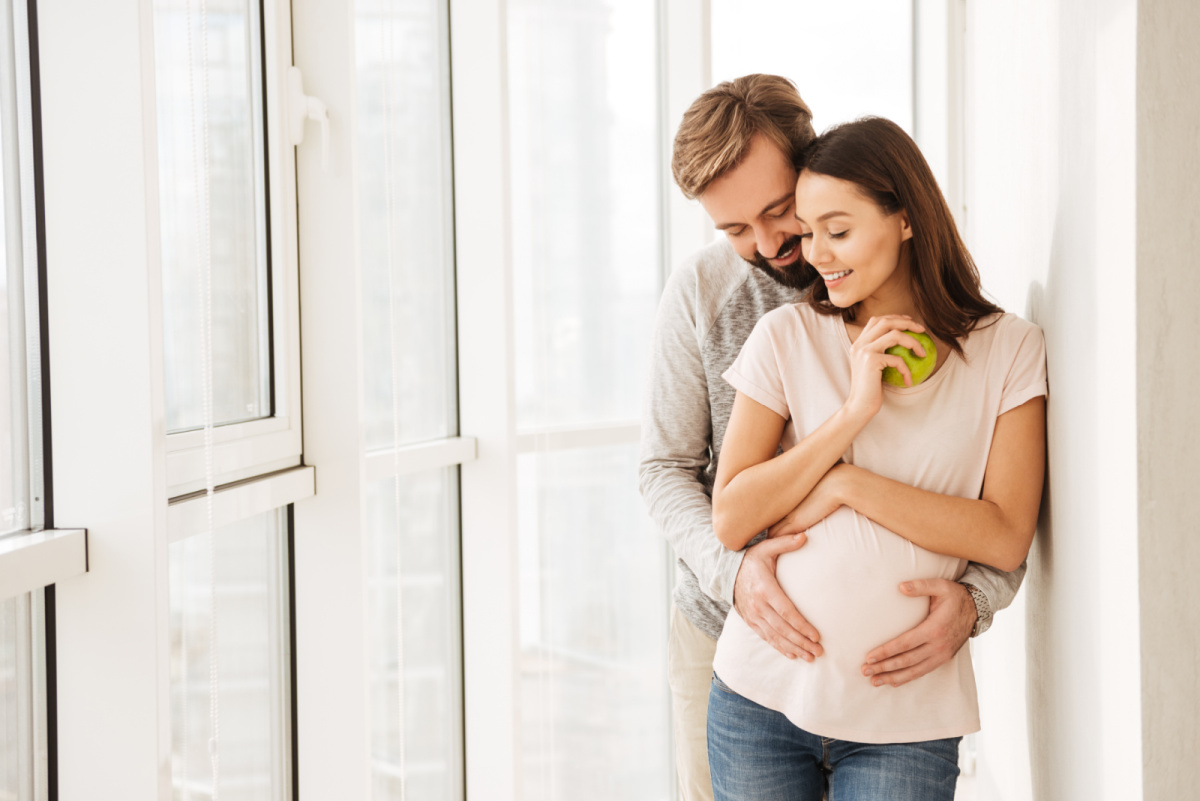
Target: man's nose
769 240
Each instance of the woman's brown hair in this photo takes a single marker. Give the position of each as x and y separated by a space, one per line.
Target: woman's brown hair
878 157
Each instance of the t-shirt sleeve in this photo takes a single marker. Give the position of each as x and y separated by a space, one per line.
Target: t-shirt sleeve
1027 375
755 372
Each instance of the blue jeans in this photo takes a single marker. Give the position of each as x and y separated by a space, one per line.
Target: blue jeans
757 754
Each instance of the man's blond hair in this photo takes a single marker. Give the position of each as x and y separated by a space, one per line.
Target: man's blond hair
720 124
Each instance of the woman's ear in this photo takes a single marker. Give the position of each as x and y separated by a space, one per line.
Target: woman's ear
906 231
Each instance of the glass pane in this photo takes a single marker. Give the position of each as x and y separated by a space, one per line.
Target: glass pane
233 210
870 41
593 577
14 424
585 187
13 720
406 225
242 609
413 533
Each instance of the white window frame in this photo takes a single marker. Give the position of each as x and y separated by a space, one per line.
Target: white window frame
33 558
939 66
115 467
256 447
331 530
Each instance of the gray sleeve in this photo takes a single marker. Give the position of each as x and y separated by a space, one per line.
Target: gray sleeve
999 587
676 432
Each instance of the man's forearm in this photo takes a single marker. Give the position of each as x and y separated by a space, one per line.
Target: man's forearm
682 511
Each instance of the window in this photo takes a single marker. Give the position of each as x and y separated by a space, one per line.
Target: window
874 72
587 255
230 395
230 313
406 247
230 661
30 557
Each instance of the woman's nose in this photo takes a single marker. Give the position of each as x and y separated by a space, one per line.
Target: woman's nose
817 253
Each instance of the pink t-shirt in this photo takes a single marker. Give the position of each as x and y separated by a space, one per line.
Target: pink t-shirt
935 436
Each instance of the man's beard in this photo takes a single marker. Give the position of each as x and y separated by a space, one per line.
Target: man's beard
798 275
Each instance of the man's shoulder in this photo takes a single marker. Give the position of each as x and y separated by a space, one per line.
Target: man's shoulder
713 271
715 281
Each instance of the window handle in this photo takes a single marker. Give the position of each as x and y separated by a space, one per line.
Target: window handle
303 107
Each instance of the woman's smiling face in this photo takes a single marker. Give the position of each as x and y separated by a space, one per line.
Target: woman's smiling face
853 244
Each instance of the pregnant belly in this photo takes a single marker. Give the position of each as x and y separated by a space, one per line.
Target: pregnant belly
846 581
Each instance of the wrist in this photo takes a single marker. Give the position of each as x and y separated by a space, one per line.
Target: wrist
855 416
841 484
983 610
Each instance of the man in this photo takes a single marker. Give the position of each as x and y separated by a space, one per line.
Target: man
736 152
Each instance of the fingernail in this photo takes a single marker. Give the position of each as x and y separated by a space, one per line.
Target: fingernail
868 672
907 586
872 661
877 682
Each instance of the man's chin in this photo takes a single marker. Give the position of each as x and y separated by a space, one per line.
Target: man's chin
797 275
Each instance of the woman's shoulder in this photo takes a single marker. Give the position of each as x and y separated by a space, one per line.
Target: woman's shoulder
1003 327
799 320
998 339
799 314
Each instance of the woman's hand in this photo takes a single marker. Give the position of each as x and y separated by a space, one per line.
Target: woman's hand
820 504
868 360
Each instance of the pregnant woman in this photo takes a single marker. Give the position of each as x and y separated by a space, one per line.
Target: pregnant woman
891 483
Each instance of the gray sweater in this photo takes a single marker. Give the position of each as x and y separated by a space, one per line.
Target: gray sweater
708 309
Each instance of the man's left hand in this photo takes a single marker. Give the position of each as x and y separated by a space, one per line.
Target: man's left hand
932 642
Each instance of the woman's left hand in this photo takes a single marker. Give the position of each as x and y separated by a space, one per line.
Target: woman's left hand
818 505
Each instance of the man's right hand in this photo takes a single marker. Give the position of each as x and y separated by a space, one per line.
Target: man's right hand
764 605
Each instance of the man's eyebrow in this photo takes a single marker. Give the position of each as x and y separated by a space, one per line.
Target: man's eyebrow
781 199
827 215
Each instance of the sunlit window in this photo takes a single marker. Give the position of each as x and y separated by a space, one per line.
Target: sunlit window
849 59
587 265
212 186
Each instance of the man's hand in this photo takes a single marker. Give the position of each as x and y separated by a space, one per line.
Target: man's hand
932 642
764 605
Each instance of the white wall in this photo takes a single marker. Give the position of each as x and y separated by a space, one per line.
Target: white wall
1051 152
1168 295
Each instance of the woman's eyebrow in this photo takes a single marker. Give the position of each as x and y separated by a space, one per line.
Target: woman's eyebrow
826 215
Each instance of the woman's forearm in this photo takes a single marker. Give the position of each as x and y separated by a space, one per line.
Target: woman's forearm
759 495
982 531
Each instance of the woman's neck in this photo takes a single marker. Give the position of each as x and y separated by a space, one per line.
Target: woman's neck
894 296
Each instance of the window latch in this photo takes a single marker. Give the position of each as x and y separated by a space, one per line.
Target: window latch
302 107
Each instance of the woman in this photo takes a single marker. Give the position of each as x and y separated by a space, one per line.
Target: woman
891 483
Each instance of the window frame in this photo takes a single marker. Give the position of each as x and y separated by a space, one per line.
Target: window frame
264 445
103 219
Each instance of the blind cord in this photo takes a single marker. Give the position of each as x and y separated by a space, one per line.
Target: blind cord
201 183
387 35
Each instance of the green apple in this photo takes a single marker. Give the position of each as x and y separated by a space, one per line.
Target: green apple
920 368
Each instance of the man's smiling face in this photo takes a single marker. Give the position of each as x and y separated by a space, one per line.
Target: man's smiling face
754 205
